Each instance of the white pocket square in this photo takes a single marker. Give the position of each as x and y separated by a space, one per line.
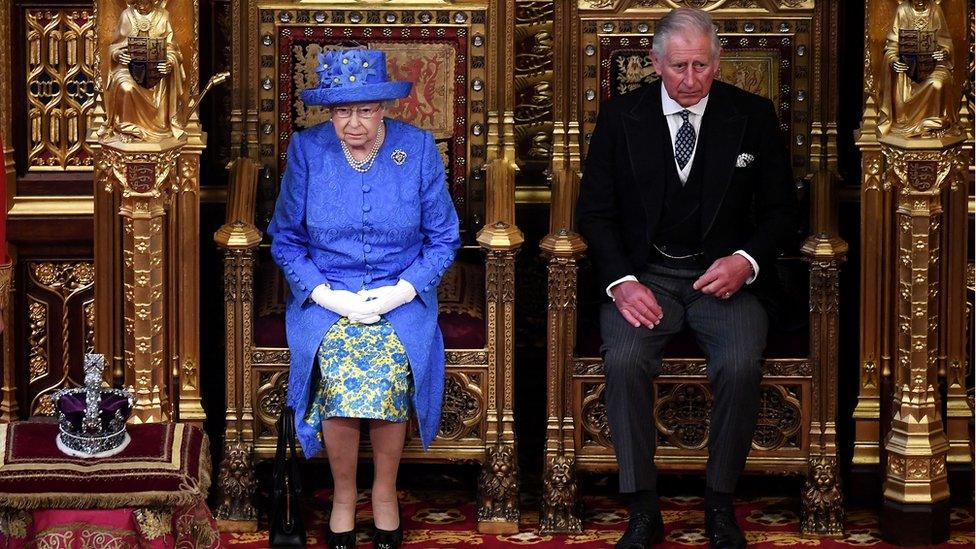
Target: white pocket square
744 160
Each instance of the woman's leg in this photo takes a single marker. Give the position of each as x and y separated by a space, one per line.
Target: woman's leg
341 437
387 439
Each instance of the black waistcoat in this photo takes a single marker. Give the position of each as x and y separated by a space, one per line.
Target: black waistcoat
678 230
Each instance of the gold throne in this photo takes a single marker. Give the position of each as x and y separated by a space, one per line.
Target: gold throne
444 49
775 49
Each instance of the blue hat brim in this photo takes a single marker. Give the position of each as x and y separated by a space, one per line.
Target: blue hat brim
381 91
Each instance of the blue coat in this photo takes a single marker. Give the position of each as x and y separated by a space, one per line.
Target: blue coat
333 225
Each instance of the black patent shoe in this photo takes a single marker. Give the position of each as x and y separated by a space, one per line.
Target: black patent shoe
722 530
388 539
643 531
340 540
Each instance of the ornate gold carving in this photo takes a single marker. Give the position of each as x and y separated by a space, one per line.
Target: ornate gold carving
682 414
533 80
37 355
236 483
594 416
144 89
917 437
558 512
89 327
917 87
463 406
454 358
498 485
60 80
270 399
779 418
65 279
822 511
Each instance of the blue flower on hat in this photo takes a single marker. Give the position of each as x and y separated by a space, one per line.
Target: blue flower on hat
351 76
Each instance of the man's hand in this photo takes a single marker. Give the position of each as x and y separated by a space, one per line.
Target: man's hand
637 304
940 55
725 276
899 66
164 67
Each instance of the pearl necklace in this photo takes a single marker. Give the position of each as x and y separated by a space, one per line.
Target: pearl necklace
363 166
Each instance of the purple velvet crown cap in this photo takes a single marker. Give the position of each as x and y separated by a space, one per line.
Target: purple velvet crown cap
72 405
353 76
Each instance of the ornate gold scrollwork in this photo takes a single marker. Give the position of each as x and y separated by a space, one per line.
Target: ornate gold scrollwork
463 406
594 420
60 75
270 398
681 414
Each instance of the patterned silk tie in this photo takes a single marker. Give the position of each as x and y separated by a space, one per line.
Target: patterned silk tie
684 142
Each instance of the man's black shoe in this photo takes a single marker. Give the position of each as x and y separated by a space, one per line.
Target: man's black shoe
722 530
643 530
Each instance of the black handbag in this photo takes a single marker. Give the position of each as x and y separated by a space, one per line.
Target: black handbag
287 529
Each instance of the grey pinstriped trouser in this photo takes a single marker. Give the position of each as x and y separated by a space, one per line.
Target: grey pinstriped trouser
731 332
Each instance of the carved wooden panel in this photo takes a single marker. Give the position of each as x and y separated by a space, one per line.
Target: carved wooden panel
683 401
60 87
533 85
56 329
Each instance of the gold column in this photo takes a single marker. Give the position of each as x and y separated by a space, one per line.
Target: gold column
498 484
238 238
563 248
917 445
143 175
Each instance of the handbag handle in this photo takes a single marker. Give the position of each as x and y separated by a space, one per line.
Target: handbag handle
286 463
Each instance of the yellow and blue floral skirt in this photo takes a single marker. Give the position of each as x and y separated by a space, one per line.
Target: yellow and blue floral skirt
365 374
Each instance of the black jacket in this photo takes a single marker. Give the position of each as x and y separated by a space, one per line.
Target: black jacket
752 208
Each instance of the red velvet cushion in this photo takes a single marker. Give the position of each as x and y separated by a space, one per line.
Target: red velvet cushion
165 464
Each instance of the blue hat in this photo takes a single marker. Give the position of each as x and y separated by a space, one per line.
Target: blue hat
353 76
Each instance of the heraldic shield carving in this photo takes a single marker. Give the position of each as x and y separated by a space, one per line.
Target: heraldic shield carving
146 54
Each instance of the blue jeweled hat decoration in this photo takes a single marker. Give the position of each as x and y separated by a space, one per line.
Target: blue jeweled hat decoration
353 76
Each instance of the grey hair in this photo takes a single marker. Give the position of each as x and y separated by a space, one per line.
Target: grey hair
685 20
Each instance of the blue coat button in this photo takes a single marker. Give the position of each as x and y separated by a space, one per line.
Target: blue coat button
365 188
367 248
365 207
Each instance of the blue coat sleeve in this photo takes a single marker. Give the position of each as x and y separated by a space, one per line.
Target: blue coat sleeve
438 225
289 234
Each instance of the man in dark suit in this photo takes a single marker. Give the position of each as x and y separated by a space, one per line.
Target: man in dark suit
687 197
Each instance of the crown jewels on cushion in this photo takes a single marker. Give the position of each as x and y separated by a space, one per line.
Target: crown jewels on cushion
91 420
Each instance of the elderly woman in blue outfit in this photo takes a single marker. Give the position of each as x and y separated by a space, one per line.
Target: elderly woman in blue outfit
363 230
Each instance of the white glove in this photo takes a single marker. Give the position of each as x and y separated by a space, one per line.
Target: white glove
345 303
386 298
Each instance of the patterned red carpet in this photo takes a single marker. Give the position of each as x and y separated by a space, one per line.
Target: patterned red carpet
445 519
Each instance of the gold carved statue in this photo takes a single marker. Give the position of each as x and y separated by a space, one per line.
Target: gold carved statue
917 83
145 84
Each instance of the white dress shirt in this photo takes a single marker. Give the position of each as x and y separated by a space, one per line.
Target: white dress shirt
671 109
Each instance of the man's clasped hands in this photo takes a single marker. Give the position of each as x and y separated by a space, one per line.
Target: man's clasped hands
365 306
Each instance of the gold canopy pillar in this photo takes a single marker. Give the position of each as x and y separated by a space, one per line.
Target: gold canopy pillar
147 143
914 155
498 484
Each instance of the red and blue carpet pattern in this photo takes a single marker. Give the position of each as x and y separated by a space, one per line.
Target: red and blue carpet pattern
446 519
